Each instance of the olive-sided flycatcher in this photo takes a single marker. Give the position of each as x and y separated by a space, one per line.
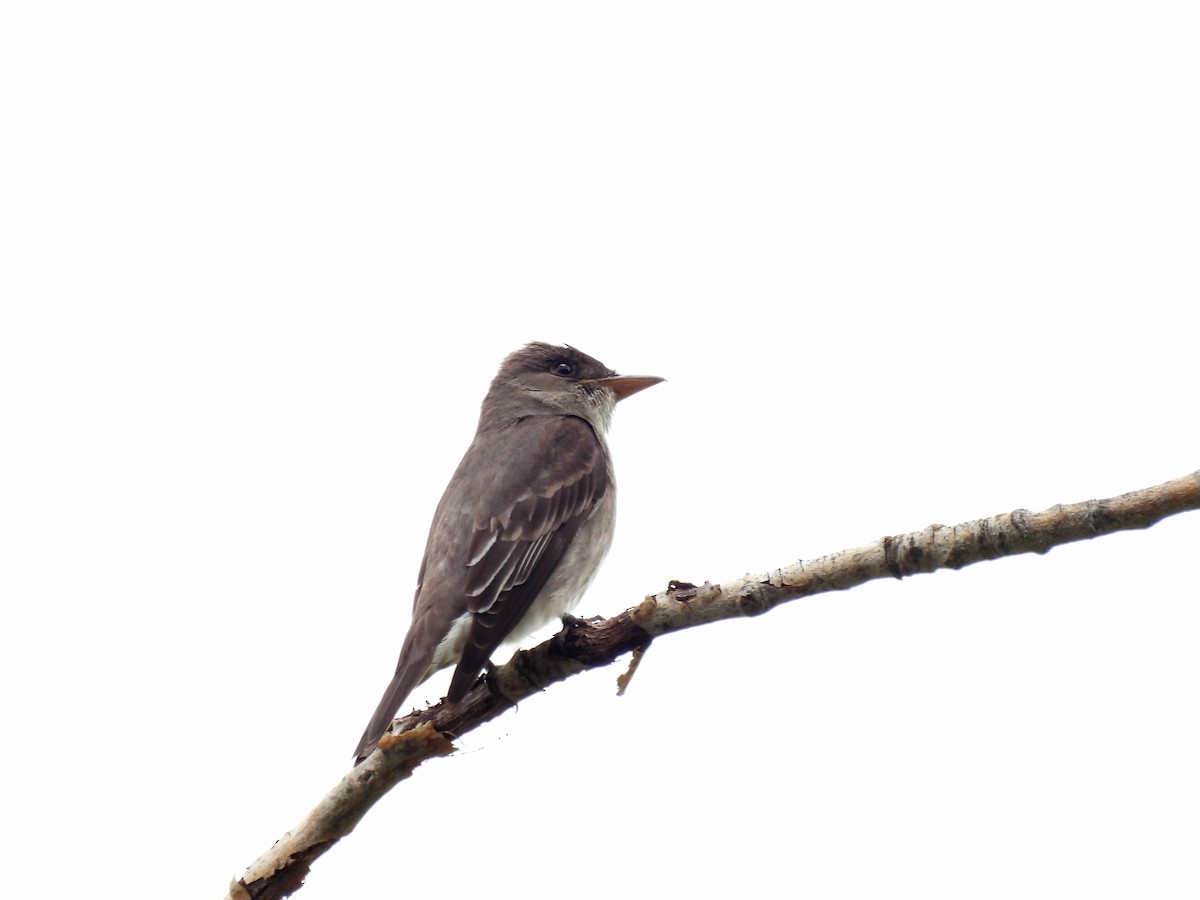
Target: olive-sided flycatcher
523 524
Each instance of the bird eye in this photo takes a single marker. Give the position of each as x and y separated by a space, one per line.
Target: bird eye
563 369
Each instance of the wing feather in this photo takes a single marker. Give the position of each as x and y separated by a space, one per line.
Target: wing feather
515 546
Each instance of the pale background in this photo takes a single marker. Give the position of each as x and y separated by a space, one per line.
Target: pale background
900 264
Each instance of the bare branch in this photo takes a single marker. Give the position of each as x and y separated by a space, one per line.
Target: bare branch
586 644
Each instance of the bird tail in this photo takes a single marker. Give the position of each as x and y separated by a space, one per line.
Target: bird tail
406 678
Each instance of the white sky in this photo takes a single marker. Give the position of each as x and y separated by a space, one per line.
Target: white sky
900 264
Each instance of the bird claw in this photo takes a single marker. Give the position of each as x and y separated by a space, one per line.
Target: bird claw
488 676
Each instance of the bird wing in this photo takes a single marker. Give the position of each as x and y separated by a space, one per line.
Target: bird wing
522 528
502 526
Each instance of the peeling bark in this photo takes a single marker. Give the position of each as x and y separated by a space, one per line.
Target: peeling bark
590 643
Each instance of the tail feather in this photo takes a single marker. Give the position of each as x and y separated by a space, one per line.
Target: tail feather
405 679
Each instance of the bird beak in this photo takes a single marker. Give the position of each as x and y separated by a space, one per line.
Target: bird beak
627 385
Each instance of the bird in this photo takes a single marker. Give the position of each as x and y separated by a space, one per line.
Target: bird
523 524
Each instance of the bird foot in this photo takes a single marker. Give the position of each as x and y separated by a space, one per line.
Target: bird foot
489 678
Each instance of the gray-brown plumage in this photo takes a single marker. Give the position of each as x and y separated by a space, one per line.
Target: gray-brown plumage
523 525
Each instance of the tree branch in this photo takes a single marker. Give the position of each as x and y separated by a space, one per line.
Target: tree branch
586 644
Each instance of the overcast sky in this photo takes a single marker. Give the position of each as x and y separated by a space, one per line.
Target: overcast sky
899 264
